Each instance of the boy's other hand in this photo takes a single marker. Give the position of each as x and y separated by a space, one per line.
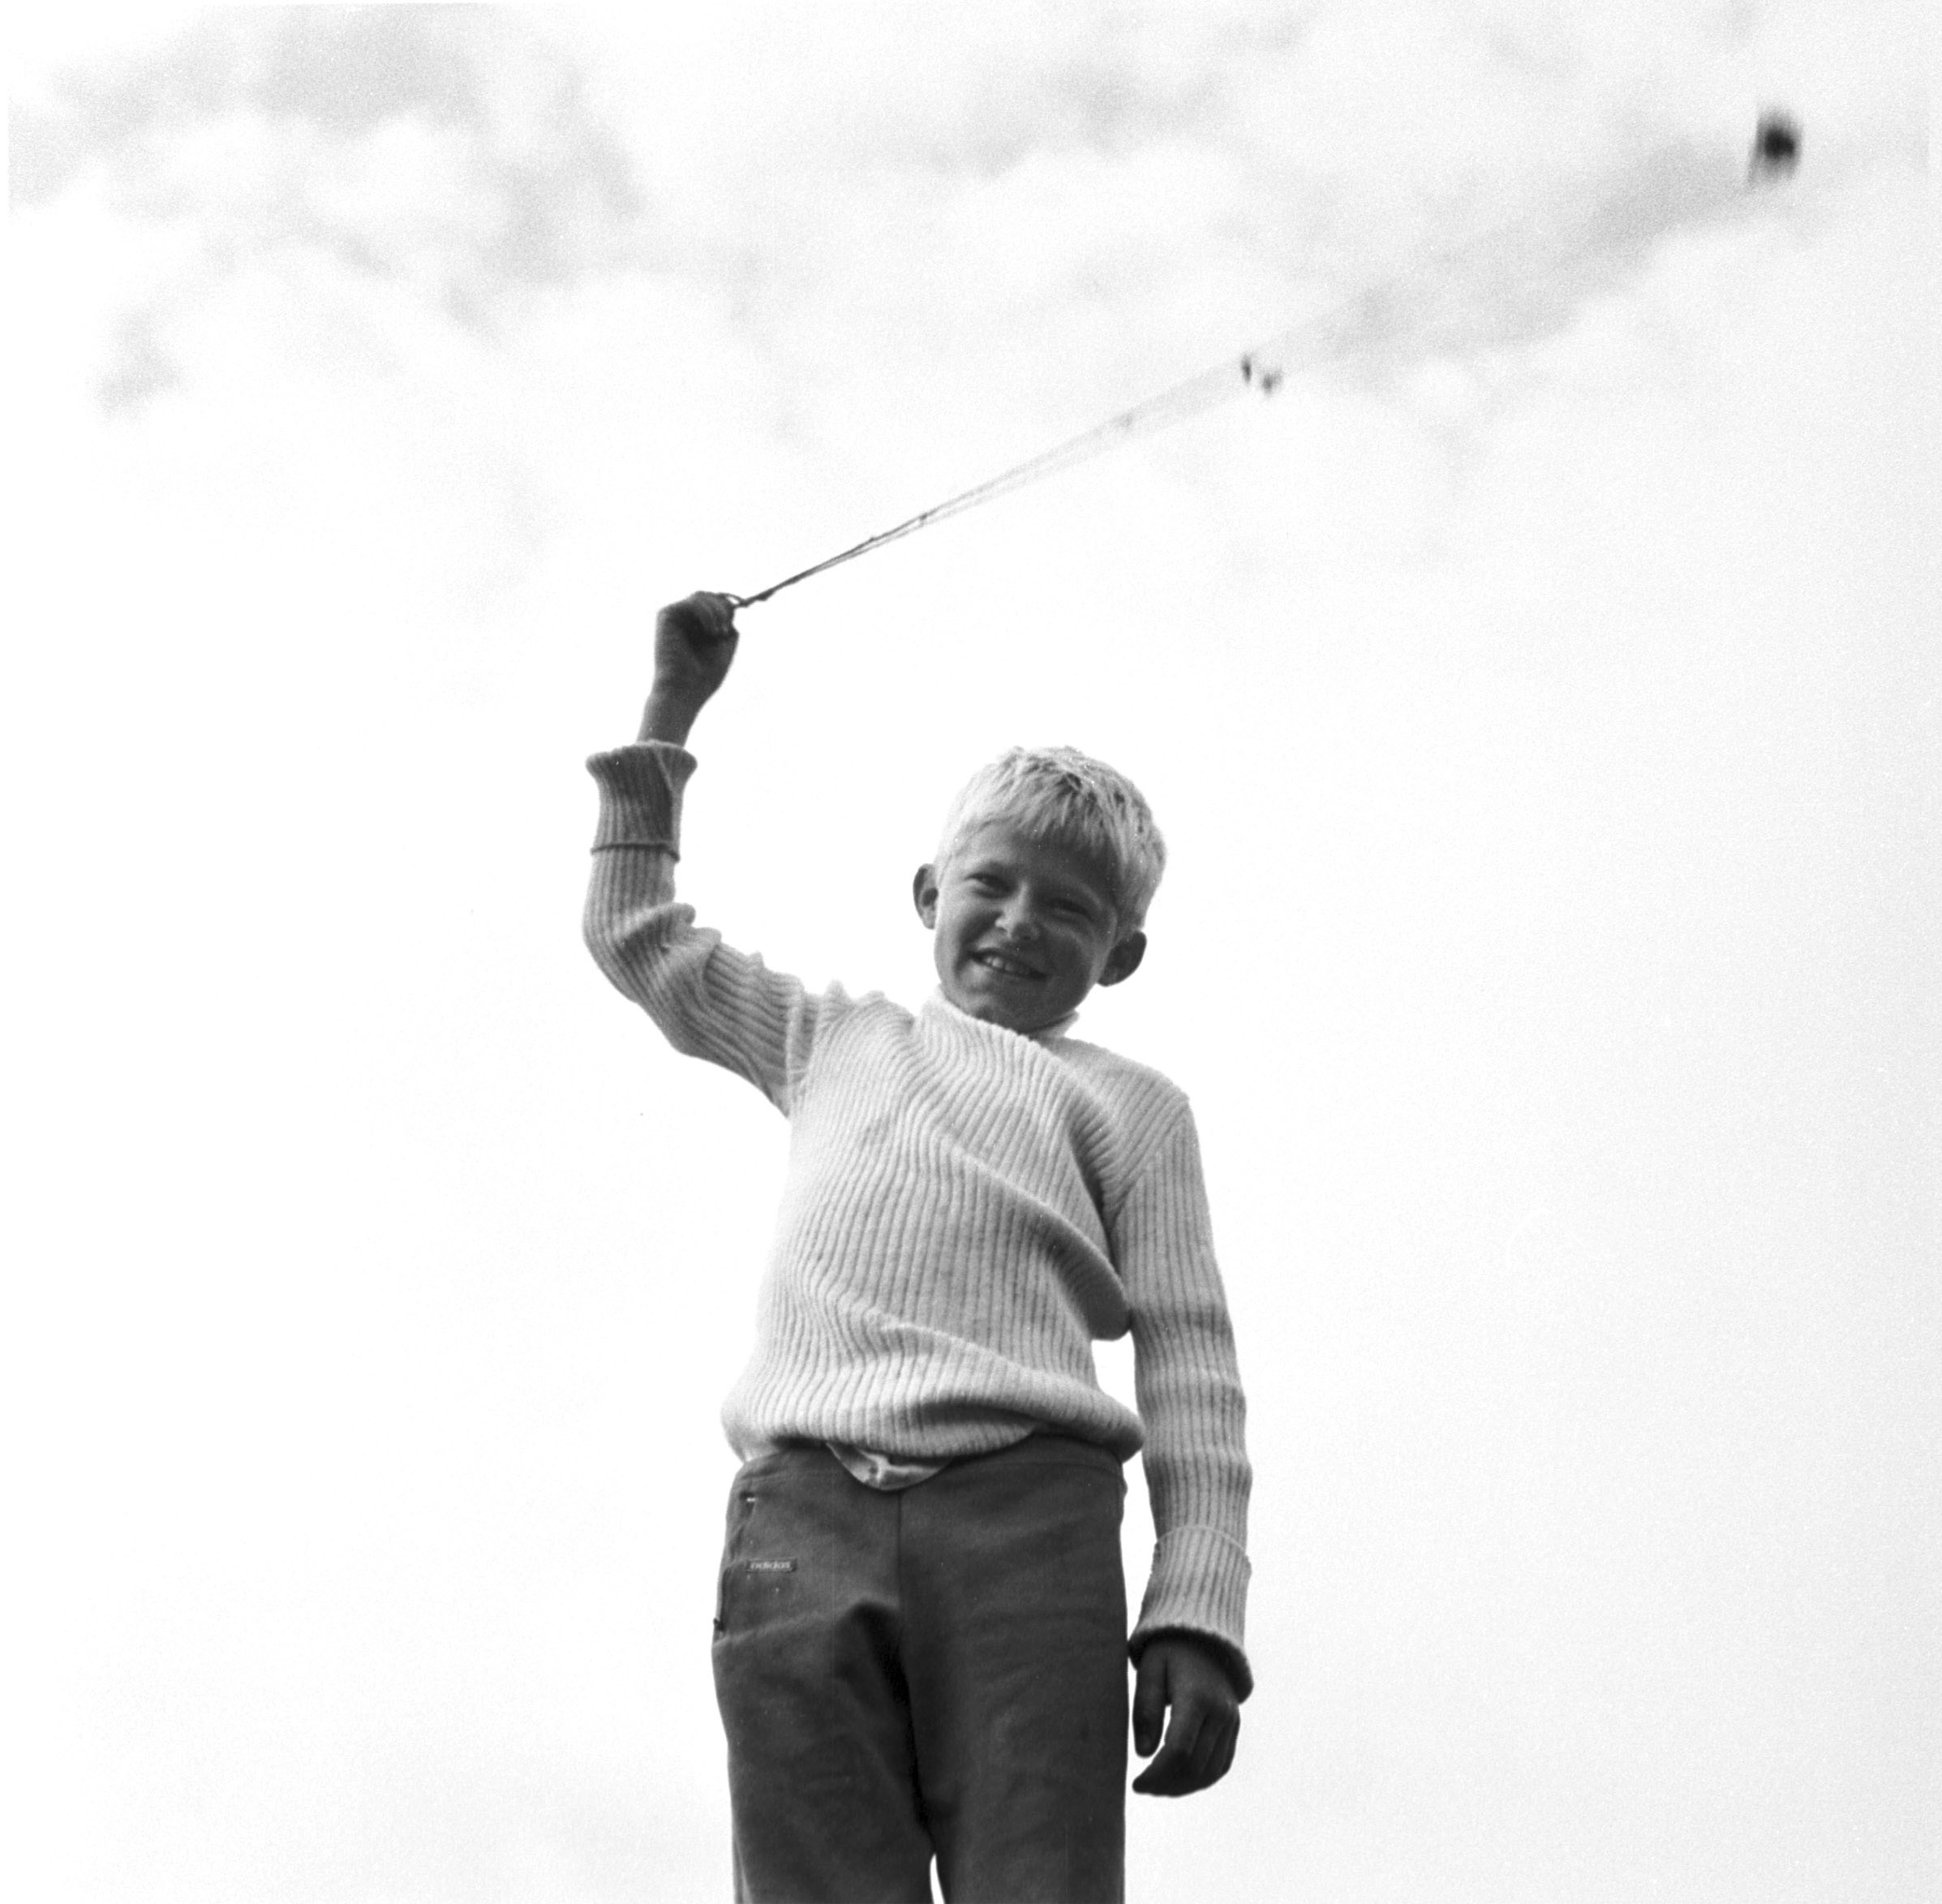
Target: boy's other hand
1183 1673
694 643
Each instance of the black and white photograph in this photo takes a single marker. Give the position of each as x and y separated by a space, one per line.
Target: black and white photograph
975 953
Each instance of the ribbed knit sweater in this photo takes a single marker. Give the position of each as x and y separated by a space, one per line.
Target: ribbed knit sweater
967 1209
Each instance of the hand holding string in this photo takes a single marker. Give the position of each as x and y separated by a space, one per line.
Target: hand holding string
694 643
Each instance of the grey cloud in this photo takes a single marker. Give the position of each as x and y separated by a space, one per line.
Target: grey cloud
545 194
1527 278
141 368
1150 81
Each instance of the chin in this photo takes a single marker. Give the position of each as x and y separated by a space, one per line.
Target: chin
991 1011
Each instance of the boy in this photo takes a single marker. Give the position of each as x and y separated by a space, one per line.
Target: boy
920 1638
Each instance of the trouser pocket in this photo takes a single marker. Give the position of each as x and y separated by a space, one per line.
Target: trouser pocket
761 1551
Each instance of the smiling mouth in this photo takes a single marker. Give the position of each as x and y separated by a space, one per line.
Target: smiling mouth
1005 965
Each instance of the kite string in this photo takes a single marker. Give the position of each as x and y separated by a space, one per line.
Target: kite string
1259 367
1182 399
1376 312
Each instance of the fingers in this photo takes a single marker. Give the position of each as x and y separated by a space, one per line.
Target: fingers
1166 1777
1198 1752
701 617
1202 1728
1150 1701
717 612
1214 1753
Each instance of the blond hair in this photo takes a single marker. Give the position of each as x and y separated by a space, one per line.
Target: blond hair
1059 793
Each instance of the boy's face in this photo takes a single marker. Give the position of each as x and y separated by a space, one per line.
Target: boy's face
1025 927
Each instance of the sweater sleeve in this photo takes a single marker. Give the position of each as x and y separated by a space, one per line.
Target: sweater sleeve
709 1001
1188 1382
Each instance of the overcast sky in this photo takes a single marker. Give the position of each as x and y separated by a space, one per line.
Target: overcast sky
1537 690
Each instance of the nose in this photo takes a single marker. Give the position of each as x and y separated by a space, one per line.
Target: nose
1019 920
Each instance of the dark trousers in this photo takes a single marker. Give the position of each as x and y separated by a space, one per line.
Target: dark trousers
937 1671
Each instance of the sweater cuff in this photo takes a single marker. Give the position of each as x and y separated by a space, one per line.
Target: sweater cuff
641 795
1199 1585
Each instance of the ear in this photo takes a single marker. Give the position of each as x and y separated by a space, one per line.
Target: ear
1123 960
923 890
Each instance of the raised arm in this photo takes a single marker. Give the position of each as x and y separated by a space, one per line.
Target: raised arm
709 1001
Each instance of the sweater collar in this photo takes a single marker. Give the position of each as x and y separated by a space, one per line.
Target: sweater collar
1044 1035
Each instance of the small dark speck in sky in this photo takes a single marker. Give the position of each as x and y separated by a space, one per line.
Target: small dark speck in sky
1776 146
